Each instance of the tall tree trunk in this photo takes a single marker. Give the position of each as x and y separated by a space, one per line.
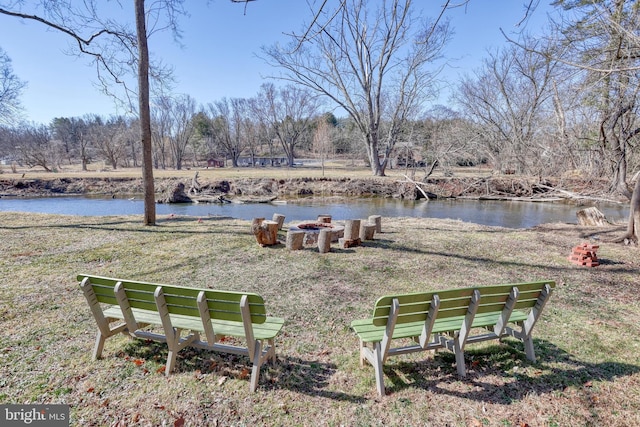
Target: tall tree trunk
619 183
374 159
145 115
633 226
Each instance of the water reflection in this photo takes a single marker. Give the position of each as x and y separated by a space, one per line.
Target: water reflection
500 213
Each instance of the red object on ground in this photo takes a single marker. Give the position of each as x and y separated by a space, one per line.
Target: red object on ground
585 254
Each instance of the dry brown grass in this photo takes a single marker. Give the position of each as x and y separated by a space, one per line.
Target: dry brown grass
332 169
587 342
100 171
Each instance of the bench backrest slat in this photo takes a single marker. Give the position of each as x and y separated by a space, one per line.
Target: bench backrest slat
413 308
455 302
223 305
181 300
104 294
226 306
139 297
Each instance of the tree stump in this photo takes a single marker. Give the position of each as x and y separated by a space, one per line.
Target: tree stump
295 240
591 217
377 220
266 232
351 229
324 219
351 234
324 241
279 218
366 231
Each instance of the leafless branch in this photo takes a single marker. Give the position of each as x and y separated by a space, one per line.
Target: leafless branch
81 41
246 3
533 4
322 28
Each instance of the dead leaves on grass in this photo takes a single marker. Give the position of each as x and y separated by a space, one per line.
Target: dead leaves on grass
136 418
475 422
225 369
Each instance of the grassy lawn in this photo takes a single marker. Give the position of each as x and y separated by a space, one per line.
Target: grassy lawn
587 342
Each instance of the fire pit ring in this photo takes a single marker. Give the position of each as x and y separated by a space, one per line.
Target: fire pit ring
312 231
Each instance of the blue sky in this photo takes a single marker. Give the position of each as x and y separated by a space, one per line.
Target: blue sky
218 56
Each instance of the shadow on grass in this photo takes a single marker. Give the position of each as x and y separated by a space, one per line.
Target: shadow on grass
128 224
309 377
483 260
497 374
501 373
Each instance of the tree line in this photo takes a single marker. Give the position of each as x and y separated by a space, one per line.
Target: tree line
277 123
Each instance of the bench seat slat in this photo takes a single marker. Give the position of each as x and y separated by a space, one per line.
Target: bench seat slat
263 331
368 332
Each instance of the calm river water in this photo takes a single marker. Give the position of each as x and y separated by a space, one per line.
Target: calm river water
500 213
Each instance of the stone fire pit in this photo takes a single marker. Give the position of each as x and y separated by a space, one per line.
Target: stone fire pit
312 231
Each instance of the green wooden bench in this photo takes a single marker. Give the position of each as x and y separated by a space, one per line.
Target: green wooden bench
187 316
450 319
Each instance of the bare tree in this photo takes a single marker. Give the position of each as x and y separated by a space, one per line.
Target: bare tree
289 111
175 125
109 139
132 143
7 146
71 132
261 133
10 90
33 142
372 64
144 111
228 118
256 135
321 144
160 134
446 139
598 42
510 98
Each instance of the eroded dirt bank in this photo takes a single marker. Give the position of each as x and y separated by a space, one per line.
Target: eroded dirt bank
487 187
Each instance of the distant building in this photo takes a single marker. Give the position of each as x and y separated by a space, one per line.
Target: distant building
262 161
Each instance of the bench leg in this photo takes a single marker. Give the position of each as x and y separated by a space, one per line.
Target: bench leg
99 345
101 337
377 359
176 344
528 349
171 362
255 371
362 353
272 351
459 352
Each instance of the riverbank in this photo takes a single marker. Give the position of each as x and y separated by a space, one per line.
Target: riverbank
208 187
